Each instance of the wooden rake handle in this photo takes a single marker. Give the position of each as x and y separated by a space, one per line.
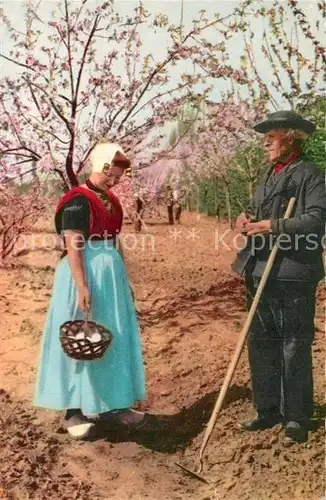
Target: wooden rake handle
241 341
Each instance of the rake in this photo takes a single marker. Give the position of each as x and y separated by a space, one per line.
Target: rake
236 357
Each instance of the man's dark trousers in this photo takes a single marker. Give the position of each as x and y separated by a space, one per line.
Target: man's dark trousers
280 352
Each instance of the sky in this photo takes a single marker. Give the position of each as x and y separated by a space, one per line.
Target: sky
156 42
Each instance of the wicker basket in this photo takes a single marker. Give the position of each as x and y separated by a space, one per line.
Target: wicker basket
84 340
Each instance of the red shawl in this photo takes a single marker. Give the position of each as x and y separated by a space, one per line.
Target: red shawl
290 159
102 222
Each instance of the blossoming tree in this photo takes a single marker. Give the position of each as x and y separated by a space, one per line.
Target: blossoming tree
82 74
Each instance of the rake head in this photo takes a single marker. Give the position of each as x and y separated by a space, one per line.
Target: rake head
195 475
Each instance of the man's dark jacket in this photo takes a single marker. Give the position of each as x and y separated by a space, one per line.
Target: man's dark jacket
301 237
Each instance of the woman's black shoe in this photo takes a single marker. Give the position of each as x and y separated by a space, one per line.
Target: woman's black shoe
261 423
295 433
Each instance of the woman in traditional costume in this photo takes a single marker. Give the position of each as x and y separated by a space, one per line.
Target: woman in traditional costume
92 277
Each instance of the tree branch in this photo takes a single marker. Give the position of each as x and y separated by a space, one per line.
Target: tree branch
34 98
110 123
168 92
62 176
33 69
134 130
271 60
30 68
150 79
53 104
25 161
12 124
84 57
68 45
12 153
10 179
24 148
43 131
95 114
162 66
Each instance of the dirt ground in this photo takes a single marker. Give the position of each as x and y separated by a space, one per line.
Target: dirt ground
191 310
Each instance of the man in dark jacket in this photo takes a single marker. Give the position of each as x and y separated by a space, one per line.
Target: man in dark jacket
282 332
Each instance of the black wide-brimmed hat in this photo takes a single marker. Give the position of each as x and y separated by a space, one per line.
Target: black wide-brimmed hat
285 120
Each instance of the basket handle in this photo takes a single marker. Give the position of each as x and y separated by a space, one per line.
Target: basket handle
87 318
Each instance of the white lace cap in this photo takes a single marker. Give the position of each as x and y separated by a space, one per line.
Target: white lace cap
103 155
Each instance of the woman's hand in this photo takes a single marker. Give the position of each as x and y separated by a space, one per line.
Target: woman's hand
84 299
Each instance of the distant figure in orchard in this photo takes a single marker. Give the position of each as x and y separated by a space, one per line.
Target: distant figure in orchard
173 200
169 203
177 202
138 210
92 277
282 332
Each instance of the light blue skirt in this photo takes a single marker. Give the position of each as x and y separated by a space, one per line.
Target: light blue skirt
117 380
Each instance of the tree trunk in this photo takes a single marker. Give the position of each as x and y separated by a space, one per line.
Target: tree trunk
216 200
228 204
70 162
35 176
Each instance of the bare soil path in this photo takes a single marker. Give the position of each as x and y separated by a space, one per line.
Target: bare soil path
191 312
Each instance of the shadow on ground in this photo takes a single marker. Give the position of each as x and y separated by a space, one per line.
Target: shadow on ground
171 433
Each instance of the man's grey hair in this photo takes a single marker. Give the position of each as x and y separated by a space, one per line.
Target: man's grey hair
297 138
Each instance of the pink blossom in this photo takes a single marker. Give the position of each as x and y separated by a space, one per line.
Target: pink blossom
31 61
